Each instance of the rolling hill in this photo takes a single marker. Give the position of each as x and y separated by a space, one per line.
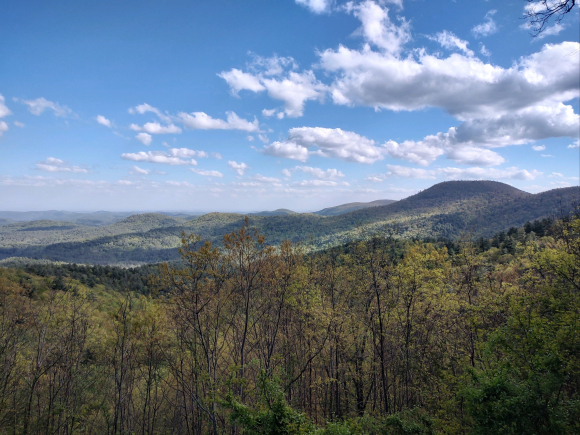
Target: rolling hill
446 209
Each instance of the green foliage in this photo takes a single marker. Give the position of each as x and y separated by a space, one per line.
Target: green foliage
272 416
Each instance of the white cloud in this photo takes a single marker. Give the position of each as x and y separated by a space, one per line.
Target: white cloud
186 153
294 90
215 174
202 121
36 107
423 152
551 31
250 138
141 171
156 128
4 110
103 121
450 41
286 173
53 164
316 6
144 138
378 29
3 127
463 86
287 150
19 124
538 147
547 155
261 179
405 172
239 80
466 143
124 182
316 183
145 108
240 168
263 138
172 157
574 144
336 143
488 27
484 51
467 155
329 174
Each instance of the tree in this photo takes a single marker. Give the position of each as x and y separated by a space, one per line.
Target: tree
539 13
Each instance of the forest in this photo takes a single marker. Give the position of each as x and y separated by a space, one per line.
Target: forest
381 335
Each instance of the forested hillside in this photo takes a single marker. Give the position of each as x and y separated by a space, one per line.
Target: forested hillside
379 336
444 210
352 206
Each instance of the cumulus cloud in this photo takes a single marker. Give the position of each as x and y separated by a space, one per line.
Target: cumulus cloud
4 110
53 164
468 155
174 156
144 138
19 124
215 174
239 80
336 143
156 128
286 150
269 74
330 174
422 152
3 127
141 171
145 108
261 179
538 147
467 142
405 172
574 145
316 183
451 42
103 121
36 107
488 27
463 86
202 121
240 168
377 27
316 6
551 31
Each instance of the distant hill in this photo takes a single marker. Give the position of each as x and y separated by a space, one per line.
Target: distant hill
446 209
279 212
352 206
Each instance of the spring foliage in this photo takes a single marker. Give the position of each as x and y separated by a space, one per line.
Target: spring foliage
378 337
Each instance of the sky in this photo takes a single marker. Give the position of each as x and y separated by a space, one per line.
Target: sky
257 105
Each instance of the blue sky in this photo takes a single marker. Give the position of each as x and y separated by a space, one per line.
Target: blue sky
258 105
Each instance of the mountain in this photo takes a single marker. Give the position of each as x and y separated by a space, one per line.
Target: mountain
479 208
351 206
279 212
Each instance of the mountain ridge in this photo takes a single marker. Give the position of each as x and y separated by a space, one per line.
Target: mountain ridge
443 210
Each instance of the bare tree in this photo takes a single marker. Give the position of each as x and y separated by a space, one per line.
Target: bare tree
539 13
